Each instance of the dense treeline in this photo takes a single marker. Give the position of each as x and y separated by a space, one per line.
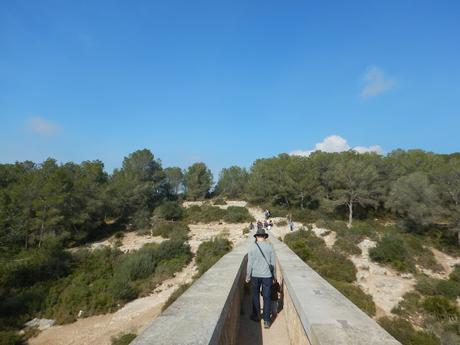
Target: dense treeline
421 189
77 202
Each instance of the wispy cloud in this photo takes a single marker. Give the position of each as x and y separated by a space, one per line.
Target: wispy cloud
335 143
42 126
375 82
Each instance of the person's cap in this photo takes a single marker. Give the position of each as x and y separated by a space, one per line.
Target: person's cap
261 232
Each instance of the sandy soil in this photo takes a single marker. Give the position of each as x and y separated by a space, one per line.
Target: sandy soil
131 241
328 236
239 203
385 285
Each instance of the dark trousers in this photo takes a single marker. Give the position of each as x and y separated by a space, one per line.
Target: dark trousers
256 283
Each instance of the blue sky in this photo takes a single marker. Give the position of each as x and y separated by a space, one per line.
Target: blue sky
226 82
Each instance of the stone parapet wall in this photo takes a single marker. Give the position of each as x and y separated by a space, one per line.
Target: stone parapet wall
208 312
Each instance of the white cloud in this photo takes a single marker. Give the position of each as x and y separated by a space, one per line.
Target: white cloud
41 126
335 143
375 82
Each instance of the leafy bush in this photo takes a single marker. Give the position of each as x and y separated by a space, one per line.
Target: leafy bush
334 225
347 247
440 307
392 250
219 201
362 300
432 287
410 305
236 214
169 210
304 216
175 295
172 230
207 214
403 331
35 265
204 214
455 275
123 339
329 263
11 338
141 219
210 252
106 278
119 234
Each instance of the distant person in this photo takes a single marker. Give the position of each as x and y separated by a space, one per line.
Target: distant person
270 224
267 214
274 297
259 225
251 226
265 224
291 225
260 272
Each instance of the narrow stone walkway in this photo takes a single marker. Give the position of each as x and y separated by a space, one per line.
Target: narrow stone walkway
253 333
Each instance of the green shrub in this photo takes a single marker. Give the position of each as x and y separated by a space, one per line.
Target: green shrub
304 215
410 305
210 252
175 295
172 230
10 338
123 339
138 265
208 214
449 289
219 201
169 210
204 214
119 234
49 262
141 219
427 285
106 278
362 300
334 225
404 332
455 275
440 307
391 249
431 287
329 263
347 247
236 214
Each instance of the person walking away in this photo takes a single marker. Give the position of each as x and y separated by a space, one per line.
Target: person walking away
274 297
260 272
251 226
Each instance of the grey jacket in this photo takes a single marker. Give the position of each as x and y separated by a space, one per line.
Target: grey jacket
257 266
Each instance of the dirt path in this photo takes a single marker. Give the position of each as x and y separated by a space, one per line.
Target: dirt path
385 285
130 241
